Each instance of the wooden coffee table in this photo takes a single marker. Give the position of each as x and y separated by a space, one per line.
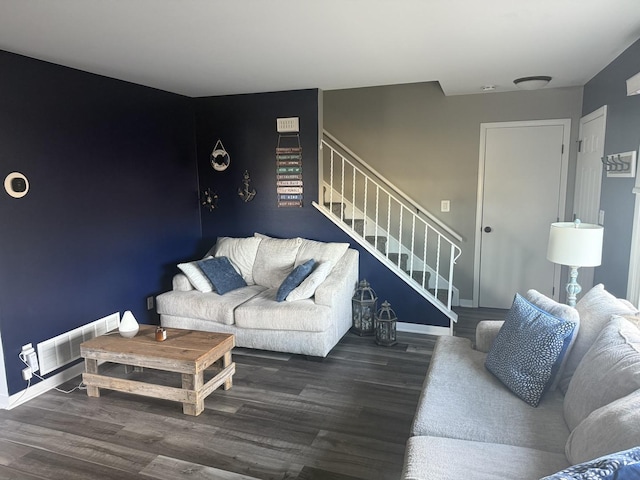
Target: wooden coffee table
187 352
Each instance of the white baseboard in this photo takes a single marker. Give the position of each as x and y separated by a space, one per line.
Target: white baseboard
7 403
422 329
466 303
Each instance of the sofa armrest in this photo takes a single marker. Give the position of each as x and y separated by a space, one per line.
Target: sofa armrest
181 282
486 333
341 282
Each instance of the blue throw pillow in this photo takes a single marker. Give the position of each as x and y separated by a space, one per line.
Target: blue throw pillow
528 350
221 274
294 279
617 466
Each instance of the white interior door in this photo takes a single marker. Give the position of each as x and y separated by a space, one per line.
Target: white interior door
586 200
522 187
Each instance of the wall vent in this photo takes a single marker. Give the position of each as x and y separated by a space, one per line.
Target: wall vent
65 348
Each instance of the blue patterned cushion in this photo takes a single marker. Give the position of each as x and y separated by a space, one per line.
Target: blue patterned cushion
529 349
221 274
617 466
294 279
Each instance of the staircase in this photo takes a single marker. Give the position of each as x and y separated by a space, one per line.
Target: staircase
413 244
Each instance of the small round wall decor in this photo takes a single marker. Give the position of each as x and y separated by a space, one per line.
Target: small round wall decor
220 159
16 184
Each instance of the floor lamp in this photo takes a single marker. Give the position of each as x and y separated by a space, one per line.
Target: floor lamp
576 245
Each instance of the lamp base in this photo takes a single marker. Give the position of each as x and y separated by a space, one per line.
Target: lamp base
573 287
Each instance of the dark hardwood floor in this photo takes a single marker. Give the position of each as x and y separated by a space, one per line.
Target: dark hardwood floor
286 417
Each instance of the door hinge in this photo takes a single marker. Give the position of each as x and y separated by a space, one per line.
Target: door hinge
562 149
553 291
579 146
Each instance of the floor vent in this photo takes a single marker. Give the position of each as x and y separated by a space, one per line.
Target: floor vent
65 348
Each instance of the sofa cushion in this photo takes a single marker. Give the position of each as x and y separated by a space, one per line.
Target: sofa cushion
196 276
529 349
320 251
462 399
241 252
617 466
309 285
274 260
595 309
558 310
205 306
305 315
221 274
441 458
294 279
612 428
609 370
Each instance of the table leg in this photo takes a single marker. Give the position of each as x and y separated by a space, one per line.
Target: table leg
194 383
226 361
91 366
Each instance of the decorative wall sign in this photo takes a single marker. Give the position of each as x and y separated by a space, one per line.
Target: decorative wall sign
289 184
220 159
246 194
209 200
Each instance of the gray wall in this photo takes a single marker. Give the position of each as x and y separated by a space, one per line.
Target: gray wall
622 135
428 144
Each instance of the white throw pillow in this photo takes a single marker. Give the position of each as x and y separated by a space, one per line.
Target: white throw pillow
241 252
609 370
309 285
612 428
595 309
198 279
274 261
320 251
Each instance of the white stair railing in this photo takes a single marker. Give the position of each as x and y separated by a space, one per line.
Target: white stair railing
415 245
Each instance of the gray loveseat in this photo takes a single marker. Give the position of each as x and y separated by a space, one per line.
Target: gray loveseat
469 425
312 319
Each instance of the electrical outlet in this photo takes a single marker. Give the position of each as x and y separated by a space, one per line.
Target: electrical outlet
30 357
149 303
445 205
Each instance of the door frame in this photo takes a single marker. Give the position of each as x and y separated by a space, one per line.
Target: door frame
564 168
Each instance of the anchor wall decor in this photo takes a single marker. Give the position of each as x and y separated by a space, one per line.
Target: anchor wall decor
246 194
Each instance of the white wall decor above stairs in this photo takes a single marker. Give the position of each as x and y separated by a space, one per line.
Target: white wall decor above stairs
413 244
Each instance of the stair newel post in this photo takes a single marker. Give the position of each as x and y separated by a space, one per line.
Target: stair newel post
452 261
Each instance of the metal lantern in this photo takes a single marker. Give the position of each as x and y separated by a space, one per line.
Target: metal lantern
364 303
386 325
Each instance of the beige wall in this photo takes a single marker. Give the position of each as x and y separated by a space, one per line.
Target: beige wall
428 144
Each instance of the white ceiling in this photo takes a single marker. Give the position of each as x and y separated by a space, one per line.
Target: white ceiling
216 47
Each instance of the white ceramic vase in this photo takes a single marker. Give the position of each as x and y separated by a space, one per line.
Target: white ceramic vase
128 325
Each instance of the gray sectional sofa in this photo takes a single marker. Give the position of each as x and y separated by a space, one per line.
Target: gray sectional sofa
469 425
312 319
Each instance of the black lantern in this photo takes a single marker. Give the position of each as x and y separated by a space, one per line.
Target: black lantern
386 326
364 303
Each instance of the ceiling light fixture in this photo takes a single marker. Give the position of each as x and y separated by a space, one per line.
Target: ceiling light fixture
532 83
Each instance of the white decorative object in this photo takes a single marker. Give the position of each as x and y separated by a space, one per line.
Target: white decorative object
220 159
576 245
128 325
16 184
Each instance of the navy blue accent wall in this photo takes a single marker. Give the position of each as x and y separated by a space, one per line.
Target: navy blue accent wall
246 125
622 135
112 204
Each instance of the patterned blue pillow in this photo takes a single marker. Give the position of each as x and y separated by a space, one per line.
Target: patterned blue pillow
221 274
528 350
617 466
294 279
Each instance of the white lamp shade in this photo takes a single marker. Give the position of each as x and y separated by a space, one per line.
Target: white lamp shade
633 85
128 325
575 245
